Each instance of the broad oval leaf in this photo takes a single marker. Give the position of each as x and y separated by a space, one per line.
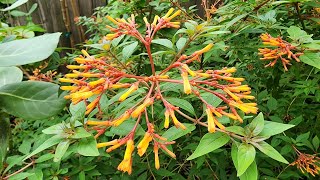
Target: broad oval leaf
61 150
15 5
129 50
251 173
268 150
313 59
10 75
257 124
174 133
185 105
209 143
25 51
88 147
31 99
273 128
246 155
164 42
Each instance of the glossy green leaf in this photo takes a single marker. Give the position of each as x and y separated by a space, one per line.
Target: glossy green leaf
181 42
129 50
25 51
313 59
124 128
164 42
268 150
48 143
246 155
251 173
88 147
15 5
273 128
183 104
61 150
4 138
209 143
9 75
31 99
257 124
174 133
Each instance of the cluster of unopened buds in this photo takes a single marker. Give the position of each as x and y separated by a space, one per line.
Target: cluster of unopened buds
94 77
282 52
307 163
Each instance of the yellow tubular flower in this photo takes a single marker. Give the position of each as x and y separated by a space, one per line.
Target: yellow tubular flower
218 124
205 75
85 53
192 73
110 36
166 120
145 21
175 121
231 94
169 13
81 95
141 108
95 123
82 61
122 118
117 86
126 164
110 143
76 67
177 13
97 82
168 151
124 96
186 83
211 126
143 145
204 50
239 88
155 20
156 157
72 75
89 75
92 105
112 20
65 80
68 88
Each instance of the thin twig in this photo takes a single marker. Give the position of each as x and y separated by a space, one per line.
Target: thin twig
19 171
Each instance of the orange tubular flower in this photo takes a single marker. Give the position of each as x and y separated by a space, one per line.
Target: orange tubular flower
122 118
204 50
211 126
126 164
133 88
144 143
110 143
175 120
166 121
156 157
141 108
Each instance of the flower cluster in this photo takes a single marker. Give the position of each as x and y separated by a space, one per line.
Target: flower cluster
94 77
282 52
307 163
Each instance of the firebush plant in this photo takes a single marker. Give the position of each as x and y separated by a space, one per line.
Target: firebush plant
235 96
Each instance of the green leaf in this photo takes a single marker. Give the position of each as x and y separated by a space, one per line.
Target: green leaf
164 42
17 13
209 143
48 143
246 155
174 133
273 128
234 154
129 50
55 129
257 124
181 42
315 142
15 5
236 129
25 147
10 75
185 105
313 59
61 150
268 150
33 8
88 147
234 20
272 104
25 51
4 138
20 176
251 173
124 128
31 99
295 33
212 99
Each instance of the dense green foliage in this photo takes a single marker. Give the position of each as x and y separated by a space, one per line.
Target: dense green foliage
46 138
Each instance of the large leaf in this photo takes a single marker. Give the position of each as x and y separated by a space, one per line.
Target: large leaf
246 155
129 50
313 59
15 5
174 133
61 150
10 75
25 51
4 138
31 99
48 143
251 173
268 150
125 127
209 143
88 147
183 104
257 124
164 42
273 128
